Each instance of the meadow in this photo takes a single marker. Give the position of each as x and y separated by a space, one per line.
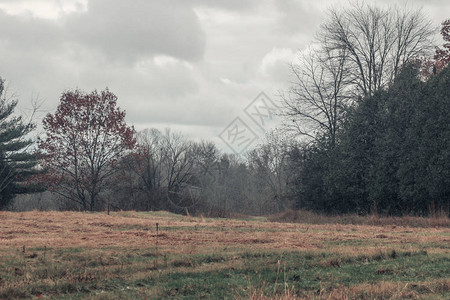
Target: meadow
158 255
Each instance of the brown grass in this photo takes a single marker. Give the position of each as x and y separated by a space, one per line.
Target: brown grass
379 291
301 216
188 234
110 239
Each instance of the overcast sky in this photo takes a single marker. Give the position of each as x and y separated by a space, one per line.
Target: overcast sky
192 65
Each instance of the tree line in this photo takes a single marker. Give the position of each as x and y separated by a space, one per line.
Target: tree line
392 154
375 109
365 130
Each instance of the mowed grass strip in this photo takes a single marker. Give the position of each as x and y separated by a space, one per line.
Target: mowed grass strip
341 265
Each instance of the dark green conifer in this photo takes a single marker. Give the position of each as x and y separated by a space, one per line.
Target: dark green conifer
17 162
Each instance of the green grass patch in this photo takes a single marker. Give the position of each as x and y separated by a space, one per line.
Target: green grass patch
96 274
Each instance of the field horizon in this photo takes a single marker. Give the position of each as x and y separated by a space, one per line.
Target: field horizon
143 255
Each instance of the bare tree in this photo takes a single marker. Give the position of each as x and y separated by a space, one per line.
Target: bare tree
178 171
378 41
269 163
316 101
360 50
162 170
142 172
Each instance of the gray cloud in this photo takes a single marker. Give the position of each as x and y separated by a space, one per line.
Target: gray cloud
25 33
193 65
133 30
297 17
234 5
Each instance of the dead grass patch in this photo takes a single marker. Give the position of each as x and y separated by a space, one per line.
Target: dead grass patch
302 216
380 291
66 250
74 229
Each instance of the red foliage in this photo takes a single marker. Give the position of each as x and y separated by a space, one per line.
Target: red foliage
85 138
441 58
443 55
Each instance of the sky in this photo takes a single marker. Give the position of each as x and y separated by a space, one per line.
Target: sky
195 66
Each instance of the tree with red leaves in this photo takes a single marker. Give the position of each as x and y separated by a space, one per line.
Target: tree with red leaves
430 66
85 138
442 56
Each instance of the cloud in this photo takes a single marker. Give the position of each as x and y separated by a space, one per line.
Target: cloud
300 17
232 5
119 30
193 65
105 44
275 64
130 31
47 9
26 33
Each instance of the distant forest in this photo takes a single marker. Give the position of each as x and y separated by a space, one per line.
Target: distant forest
366 129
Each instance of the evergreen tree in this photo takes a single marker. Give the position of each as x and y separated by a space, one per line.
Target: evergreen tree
17 164
434 150
393 153
377 155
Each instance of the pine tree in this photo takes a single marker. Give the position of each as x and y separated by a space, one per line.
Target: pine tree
17 163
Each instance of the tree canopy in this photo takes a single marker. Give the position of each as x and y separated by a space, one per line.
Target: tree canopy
85 138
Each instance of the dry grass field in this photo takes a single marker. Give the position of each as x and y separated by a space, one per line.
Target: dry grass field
134 255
